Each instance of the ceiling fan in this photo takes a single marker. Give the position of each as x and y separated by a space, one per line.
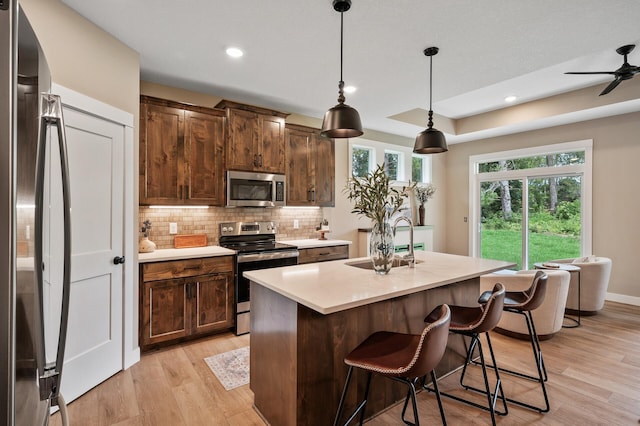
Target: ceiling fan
625 72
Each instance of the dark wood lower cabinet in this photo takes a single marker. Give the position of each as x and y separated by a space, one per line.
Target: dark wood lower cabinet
187 305
323 254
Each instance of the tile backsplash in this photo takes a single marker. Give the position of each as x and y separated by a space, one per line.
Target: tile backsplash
207 220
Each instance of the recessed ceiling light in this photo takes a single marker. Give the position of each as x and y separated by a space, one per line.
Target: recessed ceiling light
350 89
510 99
234 52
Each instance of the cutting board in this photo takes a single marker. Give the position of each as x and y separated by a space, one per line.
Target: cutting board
190 240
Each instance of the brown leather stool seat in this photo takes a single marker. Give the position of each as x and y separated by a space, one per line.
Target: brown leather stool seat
472 322
402 357
523 302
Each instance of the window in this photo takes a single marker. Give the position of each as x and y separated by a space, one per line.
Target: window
401 165
393 162
532 205
362 160
420 168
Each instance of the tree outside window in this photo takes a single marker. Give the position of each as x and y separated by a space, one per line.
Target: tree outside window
417 169
361 161
391 165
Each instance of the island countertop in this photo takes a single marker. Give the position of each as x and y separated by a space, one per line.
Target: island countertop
335 286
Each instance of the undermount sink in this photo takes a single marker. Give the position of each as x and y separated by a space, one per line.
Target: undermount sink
367 264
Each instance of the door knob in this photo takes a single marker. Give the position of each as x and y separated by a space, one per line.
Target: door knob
118 260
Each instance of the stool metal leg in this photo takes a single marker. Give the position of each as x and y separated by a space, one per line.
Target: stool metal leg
361 407
435 387
411 394
498 392
542 376
540 367
492 397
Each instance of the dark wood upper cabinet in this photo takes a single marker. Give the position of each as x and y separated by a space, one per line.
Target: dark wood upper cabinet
181 153
310 167
256 138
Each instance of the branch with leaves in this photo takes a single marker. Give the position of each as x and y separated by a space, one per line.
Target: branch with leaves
146 225
425 192
373 197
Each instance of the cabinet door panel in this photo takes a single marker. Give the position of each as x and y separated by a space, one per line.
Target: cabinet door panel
167 311
161 154
214 303
272 148
324 158
204 144
243 140
299 173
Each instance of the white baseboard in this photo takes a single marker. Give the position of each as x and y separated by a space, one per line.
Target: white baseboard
131 357
623 298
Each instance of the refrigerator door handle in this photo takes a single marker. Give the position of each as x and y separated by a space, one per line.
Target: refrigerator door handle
51 115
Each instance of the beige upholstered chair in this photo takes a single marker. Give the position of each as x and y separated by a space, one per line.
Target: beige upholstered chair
548 317
594 281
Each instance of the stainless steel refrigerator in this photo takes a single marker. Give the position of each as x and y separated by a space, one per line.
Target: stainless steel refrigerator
30 125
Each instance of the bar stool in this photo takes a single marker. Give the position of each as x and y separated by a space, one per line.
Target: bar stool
472 322
405 358
523 302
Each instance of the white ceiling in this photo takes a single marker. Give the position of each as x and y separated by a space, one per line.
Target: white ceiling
488 49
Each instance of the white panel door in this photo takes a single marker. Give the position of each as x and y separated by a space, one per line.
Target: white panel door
94 349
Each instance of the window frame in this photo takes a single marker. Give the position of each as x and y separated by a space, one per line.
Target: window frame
379 148
585 169
401 164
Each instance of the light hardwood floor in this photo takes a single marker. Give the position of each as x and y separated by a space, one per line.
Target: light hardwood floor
594 379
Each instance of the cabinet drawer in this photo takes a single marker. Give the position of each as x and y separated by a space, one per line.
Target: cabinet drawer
154 271
322 254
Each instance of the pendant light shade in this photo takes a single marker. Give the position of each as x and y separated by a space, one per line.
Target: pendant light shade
341 121
430 140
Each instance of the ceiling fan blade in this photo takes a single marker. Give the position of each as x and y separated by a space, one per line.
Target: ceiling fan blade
611 86
593 72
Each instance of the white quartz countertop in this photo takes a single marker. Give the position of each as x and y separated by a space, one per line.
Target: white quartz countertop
183 253
311 243
334 286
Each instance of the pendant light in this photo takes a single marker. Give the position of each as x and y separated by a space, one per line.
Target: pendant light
341 121
430 140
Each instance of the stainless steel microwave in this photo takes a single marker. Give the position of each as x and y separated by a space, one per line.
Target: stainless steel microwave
249 189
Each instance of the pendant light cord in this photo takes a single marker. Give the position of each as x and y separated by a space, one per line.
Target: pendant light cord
430 123
341 97
341 41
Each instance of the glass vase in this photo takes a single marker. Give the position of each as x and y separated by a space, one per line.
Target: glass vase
381 248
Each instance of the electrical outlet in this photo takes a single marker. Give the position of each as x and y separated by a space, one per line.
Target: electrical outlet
296 224
173 228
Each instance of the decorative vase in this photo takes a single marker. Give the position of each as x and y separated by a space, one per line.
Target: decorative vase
421 215
146 245
381 248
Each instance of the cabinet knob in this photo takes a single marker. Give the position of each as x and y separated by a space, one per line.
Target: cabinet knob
118 260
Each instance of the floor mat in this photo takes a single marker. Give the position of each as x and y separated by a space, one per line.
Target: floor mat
231 368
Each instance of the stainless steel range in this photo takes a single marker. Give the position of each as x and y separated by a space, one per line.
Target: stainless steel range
256 247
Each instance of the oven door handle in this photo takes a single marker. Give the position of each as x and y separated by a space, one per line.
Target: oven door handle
253 257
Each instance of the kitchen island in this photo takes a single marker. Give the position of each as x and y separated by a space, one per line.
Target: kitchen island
306 318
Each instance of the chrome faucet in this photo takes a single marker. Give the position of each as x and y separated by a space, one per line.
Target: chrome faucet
410 258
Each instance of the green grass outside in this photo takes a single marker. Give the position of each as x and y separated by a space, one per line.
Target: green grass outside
506 245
